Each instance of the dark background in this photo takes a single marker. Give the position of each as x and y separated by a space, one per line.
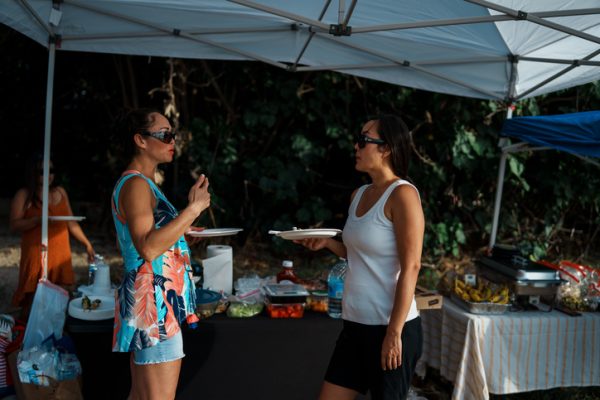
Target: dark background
277 147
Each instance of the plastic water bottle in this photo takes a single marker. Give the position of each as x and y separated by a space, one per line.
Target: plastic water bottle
93 267
335 283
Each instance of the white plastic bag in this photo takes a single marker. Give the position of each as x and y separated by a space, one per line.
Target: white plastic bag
48 313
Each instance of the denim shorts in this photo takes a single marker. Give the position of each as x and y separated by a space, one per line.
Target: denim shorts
168 350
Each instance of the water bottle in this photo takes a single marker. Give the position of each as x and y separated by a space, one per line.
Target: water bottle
93 267
335 284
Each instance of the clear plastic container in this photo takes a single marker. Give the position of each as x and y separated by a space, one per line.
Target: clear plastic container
285 293
284 310
318 301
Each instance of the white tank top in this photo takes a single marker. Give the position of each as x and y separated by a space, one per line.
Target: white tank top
373 264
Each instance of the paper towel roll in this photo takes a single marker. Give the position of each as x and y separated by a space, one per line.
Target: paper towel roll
218 268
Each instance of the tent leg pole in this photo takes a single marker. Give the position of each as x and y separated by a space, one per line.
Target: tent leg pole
500 184
498 201
46 162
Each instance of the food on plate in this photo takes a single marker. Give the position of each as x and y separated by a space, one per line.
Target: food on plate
89 305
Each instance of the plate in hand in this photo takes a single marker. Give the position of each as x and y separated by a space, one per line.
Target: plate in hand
214 232
299 234
65 218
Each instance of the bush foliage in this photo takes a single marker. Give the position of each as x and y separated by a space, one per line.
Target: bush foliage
278 148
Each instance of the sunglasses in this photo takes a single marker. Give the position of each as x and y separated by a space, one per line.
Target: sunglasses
361 140
163 135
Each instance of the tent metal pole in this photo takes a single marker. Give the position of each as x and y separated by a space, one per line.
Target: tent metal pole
349 13
408 64
395 64
281 13
499 187
176 32
498 201
341 11
533 18
46 162
294 67
561 61
555 76
470 20
36 16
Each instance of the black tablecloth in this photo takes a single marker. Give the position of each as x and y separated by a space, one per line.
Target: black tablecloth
226 358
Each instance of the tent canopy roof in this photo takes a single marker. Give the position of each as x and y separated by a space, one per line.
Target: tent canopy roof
577 133
500 49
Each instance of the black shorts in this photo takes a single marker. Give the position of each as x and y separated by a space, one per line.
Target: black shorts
356 360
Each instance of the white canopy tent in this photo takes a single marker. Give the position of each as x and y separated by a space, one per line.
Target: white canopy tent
505 49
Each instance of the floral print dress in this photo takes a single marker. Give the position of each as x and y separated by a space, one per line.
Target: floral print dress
154 297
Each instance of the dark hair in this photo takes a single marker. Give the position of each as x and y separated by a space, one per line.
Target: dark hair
394 131
132 122
34 167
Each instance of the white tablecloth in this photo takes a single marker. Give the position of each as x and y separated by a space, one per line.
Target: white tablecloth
510 353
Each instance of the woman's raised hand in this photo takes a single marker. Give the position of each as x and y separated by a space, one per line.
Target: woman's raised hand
313 244
198 197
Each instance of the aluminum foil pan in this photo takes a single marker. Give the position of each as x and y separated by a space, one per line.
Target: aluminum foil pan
482 308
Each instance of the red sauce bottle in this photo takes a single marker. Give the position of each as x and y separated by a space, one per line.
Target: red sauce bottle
287 275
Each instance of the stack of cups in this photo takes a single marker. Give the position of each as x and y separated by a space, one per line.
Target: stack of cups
102 280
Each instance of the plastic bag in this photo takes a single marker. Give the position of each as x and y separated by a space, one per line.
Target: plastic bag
48 313
248 289
51 361
37 365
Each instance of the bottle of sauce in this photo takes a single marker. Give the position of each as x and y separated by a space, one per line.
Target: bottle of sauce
287 274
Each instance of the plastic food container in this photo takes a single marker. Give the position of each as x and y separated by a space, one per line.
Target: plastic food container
286 294
206 303
285 310
318 301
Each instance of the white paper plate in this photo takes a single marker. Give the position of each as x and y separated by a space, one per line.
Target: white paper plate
215 232
308 233
65 218
106 310
91 291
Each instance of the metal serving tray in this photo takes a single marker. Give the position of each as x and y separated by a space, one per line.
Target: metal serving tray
521 287
482 308
530 272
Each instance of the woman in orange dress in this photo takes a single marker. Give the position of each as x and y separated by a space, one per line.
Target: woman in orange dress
26 218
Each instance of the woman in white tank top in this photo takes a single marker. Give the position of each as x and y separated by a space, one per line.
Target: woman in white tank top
381 341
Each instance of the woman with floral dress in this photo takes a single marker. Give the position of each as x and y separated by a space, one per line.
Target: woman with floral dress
157 292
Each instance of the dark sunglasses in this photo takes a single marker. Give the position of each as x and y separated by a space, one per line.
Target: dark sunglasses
361 140
164 135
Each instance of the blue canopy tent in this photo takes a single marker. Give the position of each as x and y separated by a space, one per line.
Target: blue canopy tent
577 133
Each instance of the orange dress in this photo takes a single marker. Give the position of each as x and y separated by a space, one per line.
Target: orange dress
60 268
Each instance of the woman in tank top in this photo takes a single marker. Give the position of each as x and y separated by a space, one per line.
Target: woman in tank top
381 340
157 292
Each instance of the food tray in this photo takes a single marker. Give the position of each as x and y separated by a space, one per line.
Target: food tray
530 272
286 310
480 308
